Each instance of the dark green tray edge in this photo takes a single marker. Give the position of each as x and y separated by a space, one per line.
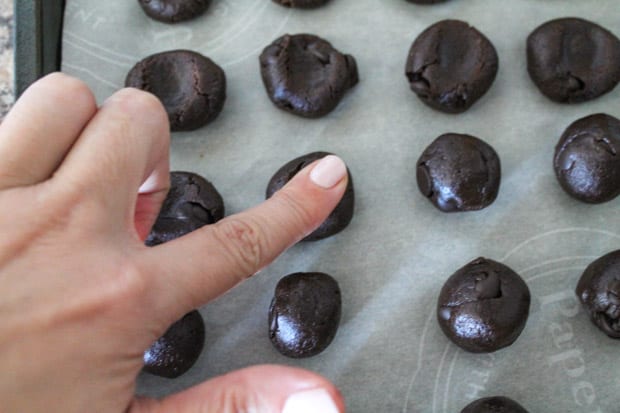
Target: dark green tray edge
37 40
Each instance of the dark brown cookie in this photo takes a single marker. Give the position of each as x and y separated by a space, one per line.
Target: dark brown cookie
599 292
173 11
459 173
340 216
573 60
587 159
305 75
191 203
451 65
483 306
191 86
497 404
178 349
301 4
304 314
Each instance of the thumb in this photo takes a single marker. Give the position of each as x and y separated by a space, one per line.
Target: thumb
260 389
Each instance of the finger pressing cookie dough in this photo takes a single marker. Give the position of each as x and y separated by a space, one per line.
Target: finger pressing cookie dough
305 75
191 86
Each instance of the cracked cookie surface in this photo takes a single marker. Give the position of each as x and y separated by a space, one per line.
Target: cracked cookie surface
599 292
587 159
191 203
451 65
191 86
483 306
573 60
303 74
459 173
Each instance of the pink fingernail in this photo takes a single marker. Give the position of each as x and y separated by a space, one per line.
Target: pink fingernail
310 401
328 172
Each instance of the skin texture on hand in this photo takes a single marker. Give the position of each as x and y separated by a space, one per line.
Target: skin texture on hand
82 297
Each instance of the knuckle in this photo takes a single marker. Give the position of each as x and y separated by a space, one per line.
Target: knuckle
128 282
243 240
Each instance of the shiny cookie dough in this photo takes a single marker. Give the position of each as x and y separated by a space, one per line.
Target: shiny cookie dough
451 65
304 314
573 60
599 292
497 404
303 74
587 159
191 203
483 306
459 173
341 215
173 11
191 86
177 350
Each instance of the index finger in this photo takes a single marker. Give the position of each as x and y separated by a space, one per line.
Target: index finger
189 271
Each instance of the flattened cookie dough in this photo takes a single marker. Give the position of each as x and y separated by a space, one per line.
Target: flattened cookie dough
587 159
301 4
599 292
497 404
191 203
191 86
303 74
573 60
451 65
341 215
177 350
483 306
459 173
173 11
304 314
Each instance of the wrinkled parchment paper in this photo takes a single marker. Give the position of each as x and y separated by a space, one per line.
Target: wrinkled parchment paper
389 354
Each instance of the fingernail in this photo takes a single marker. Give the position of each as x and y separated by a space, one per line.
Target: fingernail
310 401
328 172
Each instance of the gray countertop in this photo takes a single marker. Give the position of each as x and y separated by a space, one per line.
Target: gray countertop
6 56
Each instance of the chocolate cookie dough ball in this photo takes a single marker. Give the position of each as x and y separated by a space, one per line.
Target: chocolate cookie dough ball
340 216
599 292
301 4
451 65
304 314
191 203
483 306
497 404
587 159
459 173
173 11
573 60
191 86
177 350
305 75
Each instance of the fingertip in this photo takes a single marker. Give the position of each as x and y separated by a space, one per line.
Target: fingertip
138 104
60 87
328 171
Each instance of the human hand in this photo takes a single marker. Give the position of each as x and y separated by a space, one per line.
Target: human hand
82 297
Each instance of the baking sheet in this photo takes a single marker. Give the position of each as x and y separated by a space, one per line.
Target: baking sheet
389 354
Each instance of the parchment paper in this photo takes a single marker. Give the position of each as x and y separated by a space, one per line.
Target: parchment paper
389 354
